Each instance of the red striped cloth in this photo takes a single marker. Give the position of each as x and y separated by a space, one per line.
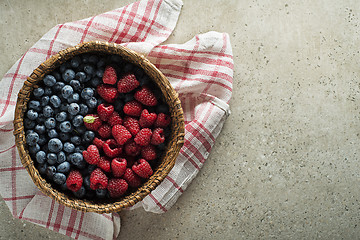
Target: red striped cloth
201 70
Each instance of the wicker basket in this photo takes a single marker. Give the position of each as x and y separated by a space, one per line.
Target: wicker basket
167 161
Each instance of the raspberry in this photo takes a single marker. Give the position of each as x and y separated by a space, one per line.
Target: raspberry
146 97
112 148
133 108
115 119
147 119
162 120
132 125
142 168
92 122
143 137
105 131
127 83
118 166
107 92
104 164
74 181
98 143
104 111
109 76
121 134
157 136
98 179
131 178
91 155
117 187
148 152
132 149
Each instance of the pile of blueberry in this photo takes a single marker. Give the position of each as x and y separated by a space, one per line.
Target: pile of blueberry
54 119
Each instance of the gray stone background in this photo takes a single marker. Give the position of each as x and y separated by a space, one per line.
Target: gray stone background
286 165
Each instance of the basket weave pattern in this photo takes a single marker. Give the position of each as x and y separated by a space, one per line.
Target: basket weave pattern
167 161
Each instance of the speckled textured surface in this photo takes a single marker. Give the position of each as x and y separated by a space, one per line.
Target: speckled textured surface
286 165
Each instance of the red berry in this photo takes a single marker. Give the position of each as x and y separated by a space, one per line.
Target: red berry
133 108
98 179
92 122
146 97
147 119
131 178
142 168
109 76
91 155
74 181
132 125
132 149
117 187
121 134
112 148
118 166
115 119
104 164
162 120
107 92
104 111
148 152
157 136
143 137
127 83
105 131
98 142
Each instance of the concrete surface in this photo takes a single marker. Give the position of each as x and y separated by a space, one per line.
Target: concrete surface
286 165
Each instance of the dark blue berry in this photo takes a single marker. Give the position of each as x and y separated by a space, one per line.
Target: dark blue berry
40 129
84 109
81 76
64 107
115 58
82 165
59 178
32 138
76 140
69 147
48 111
57 76
34 149
75 85
75 62
64 67
89 136
44 100
93 59
128 97
77 121
85 57
42 140
55 145
58 86
64 136
41 118
61 157
65 127
29 124
99 72
42 168
73 98
87 93
31 114
51 158
61 116
48 91
75 158
50 123
144 80
118 105
95 82
81 193
138 72
101 63
81 130
52 133
68 75
67 91
74 109
92 102
50 172
128 67
38 92
101 193
33 104
55 101
86 182
49 80
63 167
41 157
89 70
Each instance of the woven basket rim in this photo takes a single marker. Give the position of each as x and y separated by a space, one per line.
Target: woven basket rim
173 147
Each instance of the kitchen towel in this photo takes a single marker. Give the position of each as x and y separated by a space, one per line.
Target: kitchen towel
200 70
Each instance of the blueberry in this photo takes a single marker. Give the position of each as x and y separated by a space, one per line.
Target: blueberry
64 67
162 108
64 107
68 75
81 76
82 164
67 91
55 145
41 118
86 182
38 92
101 63
144 80
99 72
48 111
33 104
75 85
48 91
61 116
74 98
74 108
75 62
89 136
65 127
29 131
29 124
34 149
101 193
89 70
85 57
128 67
128 97
42 168
58 86
64 187
87 93
61 157
59 178
87 171
55 101
76 140
77 121
79 149
63 167
83 109
64 136
118 105
93 59
81 130
115 58
51 158
40 157
75 158
57 76
50 172
81 193
92 102
52 133
31 114
49 80
95 82
42 140
50 123
32 138
69 147
138 72
44 100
